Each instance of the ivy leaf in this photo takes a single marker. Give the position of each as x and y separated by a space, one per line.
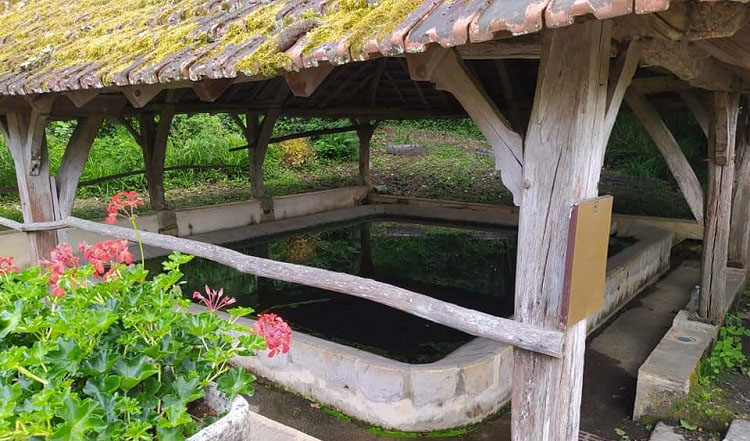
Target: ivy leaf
188 390
177 415
236 381
81 417
134 370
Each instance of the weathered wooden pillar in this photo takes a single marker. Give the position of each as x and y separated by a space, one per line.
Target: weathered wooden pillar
258 135
562 163
73 160
739 232
26 138
364 133
721 146
154 137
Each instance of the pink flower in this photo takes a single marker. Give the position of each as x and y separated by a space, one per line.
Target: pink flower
123 204
61 259
275 331
6 265
214 300
103 256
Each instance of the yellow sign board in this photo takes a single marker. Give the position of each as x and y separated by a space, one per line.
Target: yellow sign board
586 259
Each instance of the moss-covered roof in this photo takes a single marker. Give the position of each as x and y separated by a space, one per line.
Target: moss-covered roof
61 45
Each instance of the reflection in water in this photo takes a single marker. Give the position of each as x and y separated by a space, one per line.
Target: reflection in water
474 268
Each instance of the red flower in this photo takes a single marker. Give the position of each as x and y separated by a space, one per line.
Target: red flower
214 300
107 254
123 204
61 259
6 265
275 331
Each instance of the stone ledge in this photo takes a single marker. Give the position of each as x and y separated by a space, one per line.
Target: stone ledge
738 431
668 372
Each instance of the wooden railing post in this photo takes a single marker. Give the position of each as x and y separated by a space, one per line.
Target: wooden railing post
562 163
721 150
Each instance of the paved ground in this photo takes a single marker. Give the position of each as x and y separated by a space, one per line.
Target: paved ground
612 360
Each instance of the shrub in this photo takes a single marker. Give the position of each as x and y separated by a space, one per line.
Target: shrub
103 352
337 147
295 152
117 357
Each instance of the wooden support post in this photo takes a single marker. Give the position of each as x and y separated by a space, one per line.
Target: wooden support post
670 149
71 167
152 138
739 233
364 132
562 164
721 146
28 146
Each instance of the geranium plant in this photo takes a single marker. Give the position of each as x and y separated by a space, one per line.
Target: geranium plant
105 352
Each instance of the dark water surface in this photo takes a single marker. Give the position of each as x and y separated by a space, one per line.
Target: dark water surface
469 266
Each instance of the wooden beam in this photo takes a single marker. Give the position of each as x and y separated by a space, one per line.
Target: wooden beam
670 149
562 163
80 98
210 90
659 84
28 146
480 324
305 82
625 66
141 95
365 136
445 68
305 134
691 64
696 108
739 232
721 145
73 160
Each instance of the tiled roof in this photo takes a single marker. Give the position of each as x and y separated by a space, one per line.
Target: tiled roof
64 45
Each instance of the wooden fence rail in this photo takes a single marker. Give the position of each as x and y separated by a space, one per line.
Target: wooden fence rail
479 324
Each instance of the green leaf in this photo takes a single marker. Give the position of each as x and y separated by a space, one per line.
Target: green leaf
81 417
10 318
9 395
170 433
188 390
134 370
240 312
103 392
101 363
687 425
236 381
67 357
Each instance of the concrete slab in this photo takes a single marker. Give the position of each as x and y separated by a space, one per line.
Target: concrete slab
738 431
663 432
